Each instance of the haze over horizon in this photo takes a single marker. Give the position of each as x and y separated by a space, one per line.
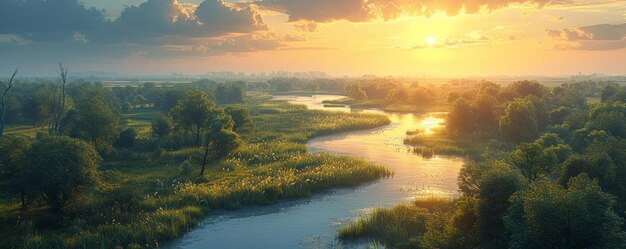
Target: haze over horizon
338 37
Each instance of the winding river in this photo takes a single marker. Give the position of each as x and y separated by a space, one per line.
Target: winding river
313 222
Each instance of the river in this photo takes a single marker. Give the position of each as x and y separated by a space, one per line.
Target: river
313 222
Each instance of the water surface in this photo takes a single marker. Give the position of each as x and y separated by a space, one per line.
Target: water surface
313 222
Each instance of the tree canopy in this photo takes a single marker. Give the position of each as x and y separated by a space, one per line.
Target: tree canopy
61 168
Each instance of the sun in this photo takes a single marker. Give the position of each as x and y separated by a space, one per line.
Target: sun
431 40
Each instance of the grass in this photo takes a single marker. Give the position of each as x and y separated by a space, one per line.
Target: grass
440 143
149 198
334 105
342 101
139 119
280 121
26 130
399 227
429 145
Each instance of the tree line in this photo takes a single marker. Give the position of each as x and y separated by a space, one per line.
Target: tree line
81 128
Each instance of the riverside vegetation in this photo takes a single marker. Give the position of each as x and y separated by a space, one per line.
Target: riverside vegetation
545 168
544 165
146 163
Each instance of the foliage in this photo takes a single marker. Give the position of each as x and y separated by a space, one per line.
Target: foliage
496 187
519 122
461 117
229 93
13 164
143 198
95 122
220 141
61 168
547 215
241 117
127 139
534 160
194 113
161 126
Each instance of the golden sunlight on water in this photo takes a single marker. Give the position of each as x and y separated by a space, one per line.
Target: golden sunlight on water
414 175
431 124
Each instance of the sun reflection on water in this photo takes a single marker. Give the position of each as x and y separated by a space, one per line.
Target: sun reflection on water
431 124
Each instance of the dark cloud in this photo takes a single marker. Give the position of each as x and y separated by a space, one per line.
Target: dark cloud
169 21
320 10
40 33
47 20
595 37
219 18
365 10
152 22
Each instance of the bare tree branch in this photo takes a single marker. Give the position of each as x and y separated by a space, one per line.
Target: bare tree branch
59 100
3 100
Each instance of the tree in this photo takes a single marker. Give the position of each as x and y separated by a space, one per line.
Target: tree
471 174
5 89
161 126
59 98
229 93
166 98
534 160
194 113
609 117
547 215
519 122
12 164
95 122
608 91
525 88
496 187
485 106
37 106
608 164
461 118
127 139
61 168
220 141
356 92
241 117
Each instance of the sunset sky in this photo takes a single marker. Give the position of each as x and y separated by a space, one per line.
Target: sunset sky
339 37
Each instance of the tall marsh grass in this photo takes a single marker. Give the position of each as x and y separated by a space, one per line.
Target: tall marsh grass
399 227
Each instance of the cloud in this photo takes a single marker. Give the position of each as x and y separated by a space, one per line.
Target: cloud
51 20
170 21
258 41
595 37
320 10
154 21
304 26
366 10
45 31
294 38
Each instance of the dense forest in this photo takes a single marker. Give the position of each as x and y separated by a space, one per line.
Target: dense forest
89 165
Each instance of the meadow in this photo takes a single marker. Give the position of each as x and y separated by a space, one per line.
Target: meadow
143 199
